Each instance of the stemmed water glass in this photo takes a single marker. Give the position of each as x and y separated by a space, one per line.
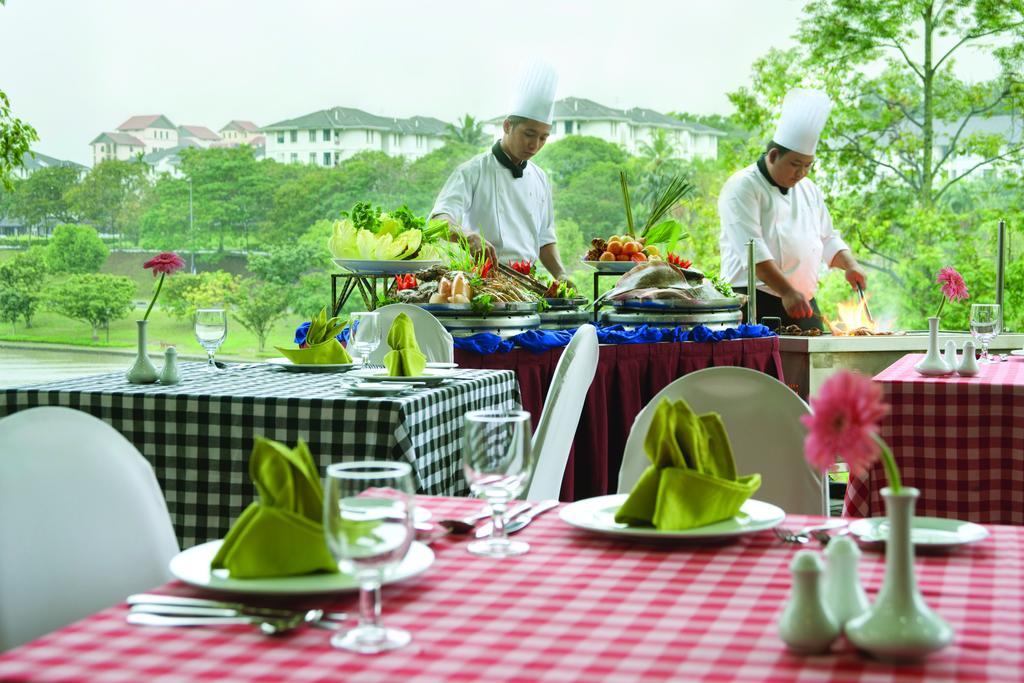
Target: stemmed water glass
211 325
497 459
364 334
985 326
368 523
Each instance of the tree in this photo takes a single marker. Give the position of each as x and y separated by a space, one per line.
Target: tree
42 197
76 249
575 154
469 131
656 152
21 279
284 264
94 298
16 138
426 176
258 305
110 196
184 293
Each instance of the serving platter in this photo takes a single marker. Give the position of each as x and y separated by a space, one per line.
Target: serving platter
612 266
496 307
554 302
724 303
372 267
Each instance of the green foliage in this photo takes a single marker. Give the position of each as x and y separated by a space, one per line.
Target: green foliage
469 132
110 196
286 263
16 138
593 200
21 281
76 249
93 298
311 293
42 197
574 155
184 292
258 305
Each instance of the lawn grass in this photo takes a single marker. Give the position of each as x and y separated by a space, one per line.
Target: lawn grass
163 331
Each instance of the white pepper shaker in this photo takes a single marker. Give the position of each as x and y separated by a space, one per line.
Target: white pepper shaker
806 625
844 595
169 373
968 364
950 355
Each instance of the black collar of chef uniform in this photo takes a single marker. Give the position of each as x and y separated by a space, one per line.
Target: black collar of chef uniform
762 166
503 159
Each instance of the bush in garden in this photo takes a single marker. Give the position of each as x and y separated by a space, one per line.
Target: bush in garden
93 298
185 292
257 305
21 280
76 249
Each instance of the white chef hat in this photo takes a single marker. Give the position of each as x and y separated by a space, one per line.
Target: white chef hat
534 94
804 113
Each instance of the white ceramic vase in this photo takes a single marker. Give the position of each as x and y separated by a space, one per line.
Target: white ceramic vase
899 626
932 365
142 370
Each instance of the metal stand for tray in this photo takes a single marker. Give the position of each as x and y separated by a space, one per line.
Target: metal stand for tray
597 278
365 283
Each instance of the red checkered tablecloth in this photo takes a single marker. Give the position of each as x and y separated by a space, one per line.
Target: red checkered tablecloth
577 607
960 440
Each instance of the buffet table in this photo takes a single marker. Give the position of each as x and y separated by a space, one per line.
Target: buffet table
628 376
198 434
577 607
959 440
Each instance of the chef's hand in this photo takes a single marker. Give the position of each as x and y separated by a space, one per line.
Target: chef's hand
796 305
477 245
857 277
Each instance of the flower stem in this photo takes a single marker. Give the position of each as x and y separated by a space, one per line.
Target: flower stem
155 295
941 304
892 473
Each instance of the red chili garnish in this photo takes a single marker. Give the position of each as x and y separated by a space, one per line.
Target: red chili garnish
405 282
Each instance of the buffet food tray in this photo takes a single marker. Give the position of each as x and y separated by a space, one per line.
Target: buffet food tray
716 320
558 304
660 305
373 267
564 319
499 307
501 325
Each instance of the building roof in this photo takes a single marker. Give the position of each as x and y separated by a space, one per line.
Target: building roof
578 108
147 121
171 154
581 109
346 117
257 142
33 163
118 139
199 132
239 125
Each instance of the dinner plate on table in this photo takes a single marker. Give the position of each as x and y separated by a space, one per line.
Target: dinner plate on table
429 376
439 365
926 533
597 515
1017 352
379 388
193 567
289 366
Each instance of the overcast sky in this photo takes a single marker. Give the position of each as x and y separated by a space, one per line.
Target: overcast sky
76 68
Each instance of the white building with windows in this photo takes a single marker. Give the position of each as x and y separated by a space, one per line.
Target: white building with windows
200 135
155 131
240 132
121 146
329 136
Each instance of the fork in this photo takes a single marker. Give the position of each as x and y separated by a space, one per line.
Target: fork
819 532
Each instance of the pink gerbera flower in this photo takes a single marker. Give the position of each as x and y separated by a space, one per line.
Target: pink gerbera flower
165 263
844 423
952 285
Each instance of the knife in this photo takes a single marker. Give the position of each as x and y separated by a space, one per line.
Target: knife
154 599
518 520
867 311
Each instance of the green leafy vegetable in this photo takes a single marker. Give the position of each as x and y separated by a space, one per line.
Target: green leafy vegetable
723 287
482 303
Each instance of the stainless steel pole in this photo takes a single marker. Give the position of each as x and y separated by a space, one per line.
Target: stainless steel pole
191 234
751 285
1000 269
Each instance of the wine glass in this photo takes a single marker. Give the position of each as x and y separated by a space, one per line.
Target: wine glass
364 336
985 327
497 460
368 523
211 326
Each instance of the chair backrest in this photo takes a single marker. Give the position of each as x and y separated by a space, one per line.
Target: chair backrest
83 522
435 341
561 414
761 417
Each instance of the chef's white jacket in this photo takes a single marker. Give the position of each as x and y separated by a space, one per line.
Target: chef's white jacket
793 229
514 214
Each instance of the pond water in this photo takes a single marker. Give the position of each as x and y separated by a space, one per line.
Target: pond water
24 366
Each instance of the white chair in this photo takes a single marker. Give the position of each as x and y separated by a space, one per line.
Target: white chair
561 414
435 341
761 417
83 522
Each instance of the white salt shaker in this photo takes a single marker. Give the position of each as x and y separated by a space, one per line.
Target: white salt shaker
169 373
968 364
844 596
806 625
950 355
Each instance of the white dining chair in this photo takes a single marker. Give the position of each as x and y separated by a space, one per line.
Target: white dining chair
561 413
83 522
435 342
761 417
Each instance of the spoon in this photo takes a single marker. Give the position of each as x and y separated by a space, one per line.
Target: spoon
464 525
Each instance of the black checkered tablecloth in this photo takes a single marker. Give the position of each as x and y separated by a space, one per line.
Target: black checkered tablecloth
198 434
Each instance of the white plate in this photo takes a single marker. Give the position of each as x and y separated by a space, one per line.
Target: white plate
379 388
438 365
612 266
429 376
384 267
311 367
598 515
193 566
927 532
1017 352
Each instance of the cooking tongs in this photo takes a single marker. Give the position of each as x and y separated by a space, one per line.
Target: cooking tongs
867 311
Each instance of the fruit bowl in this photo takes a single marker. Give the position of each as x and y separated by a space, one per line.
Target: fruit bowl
612 266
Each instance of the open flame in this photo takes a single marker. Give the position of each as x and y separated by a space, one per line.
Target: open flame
852 319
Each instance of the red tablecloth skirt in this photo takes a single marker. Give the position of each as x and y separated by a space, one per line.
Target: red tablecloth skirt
628 376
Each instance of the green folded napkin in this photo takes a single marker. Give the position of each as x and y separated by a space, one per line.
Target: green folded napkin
692 479
405 358
330 352
281 534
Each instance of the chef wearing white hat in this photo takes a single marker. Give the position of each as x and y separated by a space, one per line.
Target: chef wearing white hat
774 204
500 200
